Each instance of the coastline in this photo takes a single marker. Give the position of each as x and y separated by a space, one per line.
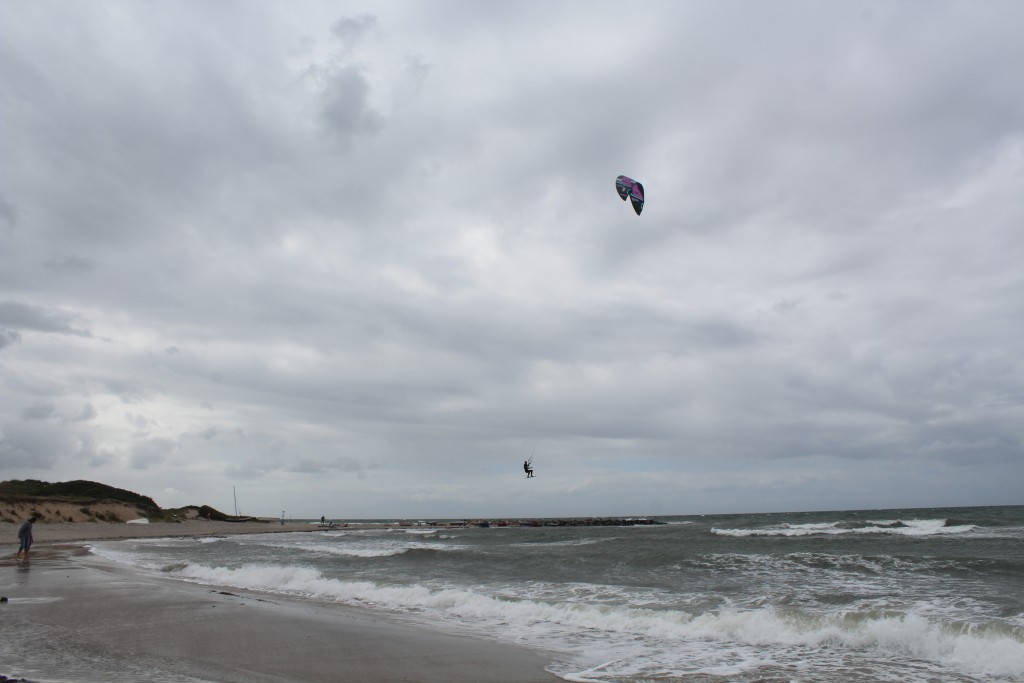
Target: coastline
71 532
72 616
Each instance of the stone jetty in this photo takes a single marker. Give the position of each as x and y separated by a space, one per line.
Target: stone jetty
571 521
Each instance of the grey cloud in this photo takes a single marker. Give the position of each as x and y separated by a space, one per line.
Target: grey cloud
139 421
38 318
151 141
92 455
88 413
346 106
218 433
8 337
71 264
14 454
305 466
352 30
209 433
243 471
39 411
128 390
417 72
29 447
310 466
147 453
411 253
8 217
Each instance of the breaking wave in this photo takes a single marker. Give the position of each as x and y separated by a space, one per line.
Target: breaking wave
990 650
913 527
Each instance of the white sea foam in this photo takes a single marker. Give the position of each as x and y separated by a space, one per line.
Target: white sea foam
670 611
357 551
577 625
358 543
570 542
176 540
913 527
116 552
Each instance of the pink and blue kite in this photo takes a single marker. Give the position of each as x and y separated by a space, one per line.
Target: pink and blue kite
630 188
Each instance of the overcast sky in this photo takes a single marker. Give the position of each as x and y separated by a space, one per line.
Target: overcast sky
362 259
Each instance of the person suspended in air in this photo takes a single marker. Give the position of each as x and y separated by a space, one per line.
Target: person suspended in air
527 467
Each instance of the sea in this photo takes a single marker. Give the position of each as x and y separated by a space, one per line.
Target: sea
874 596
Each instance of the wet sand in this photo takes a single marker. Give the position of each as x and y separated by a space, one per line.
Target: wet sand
72 616
100 531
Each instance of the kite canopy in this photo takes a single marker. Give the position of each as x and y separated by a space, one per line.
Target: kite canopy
627 187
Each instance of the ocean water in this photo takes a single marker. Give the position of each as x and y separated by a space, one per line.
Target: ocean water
866 596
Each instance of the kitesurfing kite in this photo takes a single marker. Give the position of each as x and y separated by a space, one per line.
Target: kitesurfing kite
630 188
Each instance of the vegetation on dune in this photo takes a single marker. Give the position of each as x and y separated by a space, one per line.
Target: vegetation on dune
82 500
79 489
88 500
201 512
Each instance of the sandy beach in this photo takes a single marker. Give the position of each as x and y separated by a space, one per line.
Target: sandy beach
70 532
72 616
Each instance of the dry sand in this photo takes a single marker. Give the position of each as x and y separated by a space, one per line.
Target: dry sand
72 616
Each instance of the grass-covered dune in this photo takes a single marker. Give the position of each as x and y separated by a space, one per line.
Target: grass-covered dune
88 501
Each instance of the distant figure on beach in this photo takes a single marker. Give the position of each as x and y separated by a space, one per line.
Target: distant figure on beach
527 468
25 537
323 520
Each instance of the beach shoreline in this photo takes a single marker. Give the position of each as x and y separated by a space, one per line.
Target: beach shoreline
73 616
72 532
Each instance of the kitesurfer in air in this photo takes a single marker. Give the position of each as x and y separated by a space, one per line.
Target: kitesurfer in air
527 468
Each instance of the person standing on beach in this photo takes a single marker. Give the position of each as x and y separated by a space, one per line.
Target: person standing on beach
25 537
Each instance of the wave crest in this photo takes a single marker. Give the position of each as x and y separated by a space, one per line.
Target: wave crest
996 652
913 527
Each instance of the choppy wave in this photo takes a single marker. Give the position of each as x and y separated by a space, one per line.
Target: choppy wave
356 549
179 540
830 565
563 543
971 649
387 548
913 527
867 597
